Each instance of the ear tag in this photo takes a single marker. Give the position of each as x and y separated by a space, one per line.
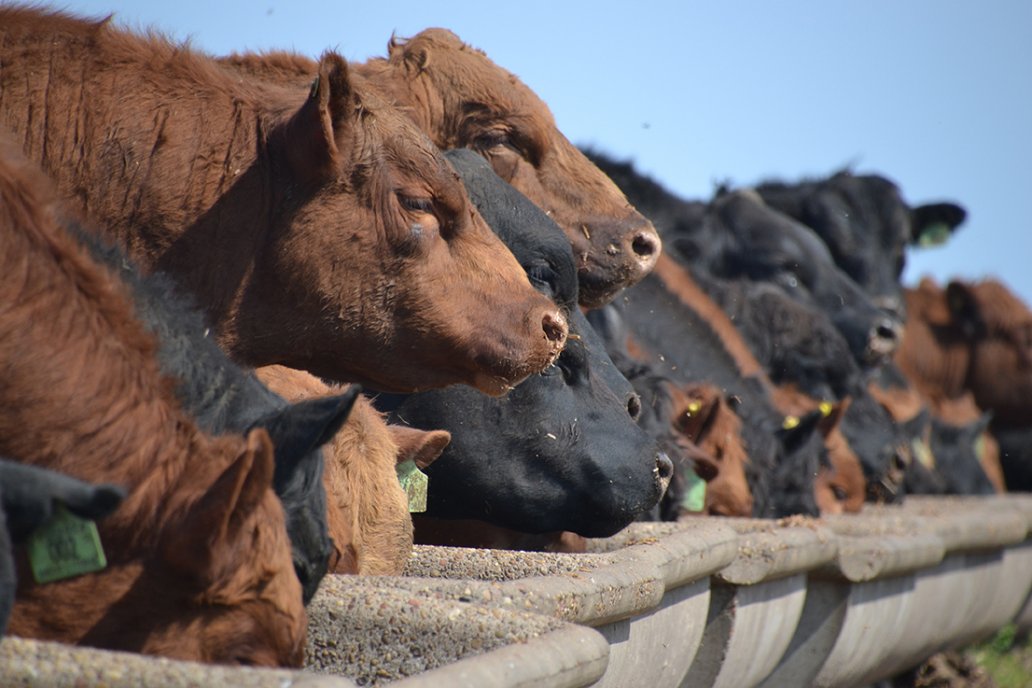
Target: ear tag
935 234
980 447
414 482
64 547
694 407
923 453
790 422
694 498
826 408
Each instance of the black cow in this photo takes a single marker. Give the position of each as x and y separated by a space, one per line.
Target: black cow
737 236
866 226
686 348
28 498
225 398
562 450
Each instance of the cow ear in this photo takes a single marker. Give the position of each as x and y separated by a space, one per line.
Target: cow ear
202 544
832 415
796 430
421 446
299 429
933 224
320 134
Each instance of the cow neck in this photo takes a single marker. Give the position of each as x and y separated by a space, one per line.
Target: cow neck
676 279
159 145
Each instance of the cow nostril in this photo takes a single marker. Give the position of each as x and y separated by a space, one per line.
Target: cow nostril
634 406
554 325
888 330
646 246
664 466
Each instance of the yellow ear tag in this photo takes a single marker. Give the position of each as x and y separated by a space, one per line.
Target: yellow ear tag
414 482
825 408
694 498
64 547
694 407
790 422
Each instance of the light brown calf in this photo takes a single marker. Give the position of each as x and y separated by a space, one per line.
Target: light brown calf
367 511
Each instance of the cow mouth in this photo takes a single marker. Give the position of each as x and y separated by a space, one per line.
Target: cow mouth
599 284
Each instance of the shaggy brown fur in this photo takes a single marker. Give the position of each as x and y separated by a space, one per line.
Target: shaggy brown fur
970 336
317 228
367 511
463 100
199 564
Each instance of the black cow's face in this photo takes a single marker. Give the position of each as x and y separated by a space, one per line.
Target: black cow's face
768 246
867 227
560 452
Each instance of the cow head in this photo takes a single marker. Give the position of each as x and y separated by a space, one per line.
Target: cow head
867 227
840 487
377 236
769 246
705 416
462 99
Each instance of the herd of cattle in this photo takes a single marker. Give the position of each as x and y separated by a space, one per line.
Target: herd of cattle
182 235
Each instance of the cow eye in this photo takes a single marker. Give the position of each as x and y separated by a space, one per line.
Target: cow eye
417 204
496 139
543 276
840 493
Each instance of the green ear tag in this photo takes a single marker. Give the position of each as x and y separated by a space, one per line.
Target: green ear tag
414 482
64 547
694 498
935 234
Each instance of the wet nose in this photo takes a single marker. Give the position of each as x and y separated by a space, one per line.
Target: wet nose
645 246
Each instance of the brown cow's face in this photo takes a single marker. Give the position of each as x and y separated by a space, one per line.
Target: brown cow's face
216 583
445 300
232 544
462 99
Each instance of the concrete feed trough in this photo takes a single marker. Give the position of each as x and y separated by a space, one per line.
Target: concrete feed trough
841 601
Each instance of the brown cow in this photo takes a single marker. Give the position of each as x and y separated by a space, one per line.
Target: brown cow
458 96
198 560
462 99
317 229
367 511
704 417
966 348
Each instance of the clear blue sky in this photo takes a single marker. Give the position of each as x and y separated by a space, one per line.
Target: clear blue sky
935 94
